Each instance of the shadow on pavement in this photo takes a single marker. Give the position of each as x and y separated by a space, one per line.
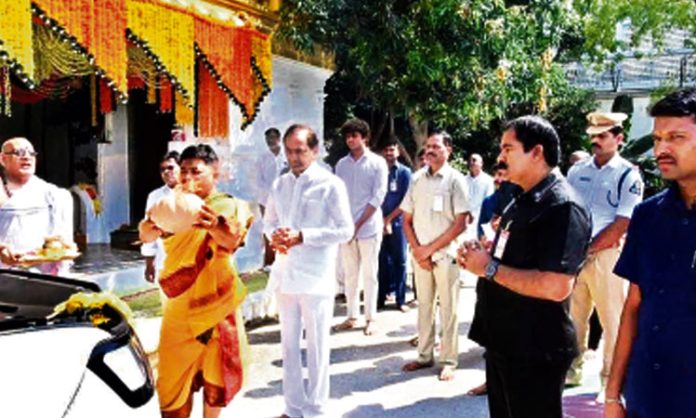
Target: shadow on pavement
460 406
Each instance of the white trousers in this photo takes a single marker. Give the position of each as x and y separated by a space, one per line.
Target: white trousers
361 259
312 313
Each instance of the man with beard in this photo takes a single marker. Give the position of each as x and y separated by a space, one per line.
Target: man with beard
611 187
655 359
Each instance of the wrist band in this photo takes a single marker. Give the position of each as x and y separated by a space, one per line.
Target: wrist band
613 400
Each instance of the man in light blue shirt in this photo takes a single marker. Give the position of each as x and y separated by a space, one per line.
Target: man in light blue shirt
610 187
365 176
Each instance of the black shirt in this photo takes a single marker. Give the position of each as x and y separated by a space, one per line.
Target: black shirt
549 230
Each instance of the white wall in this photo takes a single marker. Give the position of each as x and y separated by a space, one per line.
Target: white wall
297 96
112 178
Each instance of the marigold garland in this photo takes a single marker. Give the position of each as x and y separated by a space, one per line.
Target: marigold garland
183 114
5 92
166 102
241 55
109 46
82 37
93 98
93 28
261 51
16 47
168 34
54 57
106 97
213 107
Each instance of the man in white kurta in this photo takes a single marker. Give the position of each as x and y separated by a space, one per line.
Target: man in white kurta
30 209
306 218
154 251
271 164
365 176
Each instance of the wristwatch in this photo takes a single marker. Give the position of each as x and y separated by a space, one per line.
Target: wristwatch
491 269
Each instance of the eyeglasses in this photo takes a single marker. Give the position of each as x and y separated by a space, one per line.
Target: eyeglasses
167 168
21 153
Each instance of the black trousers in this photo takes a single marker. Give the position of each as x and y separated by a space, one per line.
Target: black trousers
524 390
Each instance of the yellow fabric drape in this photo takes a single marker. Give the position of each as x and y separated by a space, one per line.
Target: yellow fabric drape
16 34
205 293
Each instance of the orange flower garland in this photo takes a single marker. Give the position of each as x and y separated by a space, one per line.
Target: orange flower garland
226 51
108 45
241 54
215 42
213 107
165 95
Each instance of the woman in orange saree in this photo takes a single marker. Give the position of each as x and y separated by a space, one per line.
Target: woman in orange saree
202 340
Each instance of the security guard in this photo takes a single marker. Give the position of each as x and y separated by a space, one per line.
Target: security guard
611 187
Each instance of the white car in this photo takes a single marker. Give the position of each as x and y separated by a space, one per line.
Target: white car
65 367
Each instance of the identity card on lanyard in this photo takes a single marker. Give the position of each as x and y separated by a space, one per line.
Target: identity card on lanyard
502 242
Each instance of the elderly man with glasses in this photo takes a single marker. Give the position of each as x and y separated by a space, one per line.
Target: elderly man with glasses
31 209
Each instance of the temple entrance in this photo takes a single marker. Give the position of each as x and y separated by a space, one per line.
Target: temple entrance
149 131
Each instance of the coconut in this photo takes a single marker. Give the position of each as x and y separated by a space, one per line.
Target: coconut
176 212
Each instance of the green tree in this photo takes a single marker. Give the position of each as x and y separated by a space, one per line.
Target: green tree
458 64
648 19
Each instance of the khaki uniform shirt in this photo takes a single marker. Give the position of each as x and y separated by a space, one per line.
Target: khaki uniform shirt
434 201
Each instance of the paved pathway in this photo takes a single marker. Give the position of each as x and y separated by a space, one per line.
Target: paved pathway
366 377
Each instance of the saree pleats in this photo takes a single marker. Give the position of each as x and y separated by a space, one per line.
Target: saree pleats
202 340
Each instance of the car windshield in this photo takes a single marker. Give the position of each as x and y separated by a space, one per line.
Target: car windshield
28 299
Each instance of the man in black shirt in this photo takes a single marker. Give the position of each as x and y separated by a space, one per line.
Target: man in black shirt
526 278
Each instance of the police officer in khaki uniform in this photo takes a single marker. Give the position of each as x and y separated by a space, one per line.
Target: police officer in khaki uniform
611 187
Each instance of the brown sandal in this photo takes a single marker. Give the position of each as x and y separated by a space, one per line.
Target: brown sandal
345 325
416 365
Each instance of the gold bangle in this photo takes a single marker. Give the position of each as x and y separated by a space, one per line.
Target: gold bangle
613 400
